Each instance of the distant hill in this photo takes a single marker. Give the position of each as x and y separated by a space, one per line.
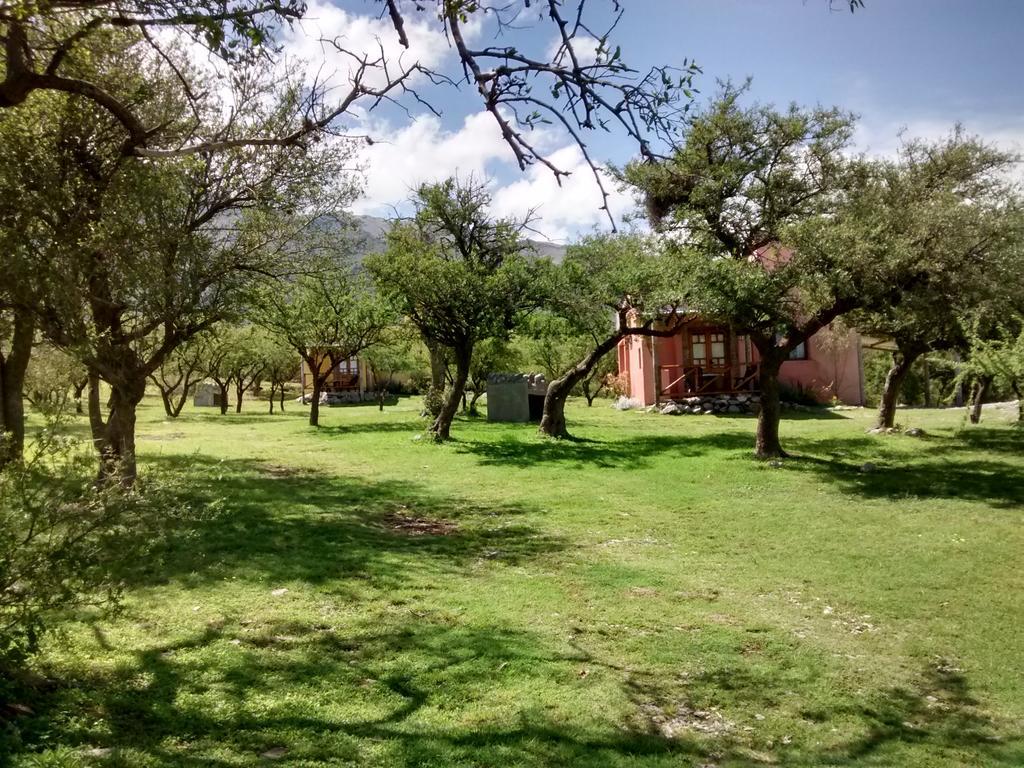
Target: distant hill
372 234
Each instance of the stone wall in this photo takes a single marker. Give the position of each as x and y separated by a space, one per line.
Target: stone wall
739 403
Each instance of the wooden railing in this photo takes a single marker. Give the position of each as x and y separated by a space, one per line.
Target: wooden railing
687 381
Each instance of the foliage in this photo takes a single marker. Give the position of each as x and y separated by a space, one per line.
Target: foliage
66 543
458 275
522 89
51 377
327 315
395 353
134 257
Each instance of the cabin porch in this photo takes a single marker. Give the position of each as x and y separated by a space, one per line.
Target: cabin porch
703 359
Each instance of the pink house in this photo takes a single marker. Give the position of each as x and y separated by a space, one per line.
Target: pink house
709 358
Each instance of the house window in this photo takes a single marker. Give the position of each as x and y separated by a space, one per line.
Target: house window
799 352
698 348
717 349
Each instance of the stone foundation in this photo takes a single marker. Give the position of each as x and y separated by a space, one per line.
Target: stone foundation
707 404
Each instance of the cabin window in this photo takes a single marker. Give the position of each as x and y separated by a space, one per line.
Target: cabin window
717 349
698 347
799 352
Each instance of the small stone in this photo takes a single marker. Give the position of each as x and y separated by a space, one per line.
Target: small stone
734 409
915 432
274 753
97 752
867 466
759 717
775 463
279 592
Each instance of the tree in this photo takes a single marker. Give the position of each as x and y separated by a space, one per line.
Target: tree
995 351
552 343
148 255
282 364
327 317
608 288
580 85
458 275
771 219
181 370
953 199
245 360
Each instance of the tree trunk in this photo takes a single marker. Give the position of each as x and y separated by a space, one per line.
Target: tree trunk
223 385
165 395
179 406
588 393
273 391
380 399
981 388
96 423
79 390
927 384
442 426
478 392
437 368
239 391
552 422
314 404
117 445
12 385
281 401
1020 399
767 444
901 364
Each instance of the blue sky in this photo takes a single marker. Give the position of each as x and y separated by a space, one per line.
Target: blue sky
919 64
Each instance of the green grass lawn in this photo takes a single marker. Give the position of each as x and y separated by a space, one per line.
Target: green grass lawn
647 595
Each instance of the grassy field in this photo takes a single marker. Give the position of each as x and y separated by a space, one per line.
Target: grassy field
647 595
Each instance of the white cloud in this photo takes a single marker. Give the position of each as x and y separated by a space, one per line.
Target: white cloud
567 210
361 34
423 151
881 137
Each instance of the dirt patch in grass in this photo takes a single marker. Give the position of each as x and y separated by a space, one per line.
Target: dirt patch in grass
281 471
411 525
676 719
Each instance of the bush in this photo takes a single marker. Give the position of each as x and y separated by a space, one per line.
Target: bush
65 543
798 395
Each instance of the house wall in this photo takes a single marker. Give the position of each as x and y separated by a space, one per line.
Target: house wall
638 354
833 368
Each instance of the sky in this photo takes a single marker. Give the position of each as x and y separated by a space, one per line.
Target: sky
918 66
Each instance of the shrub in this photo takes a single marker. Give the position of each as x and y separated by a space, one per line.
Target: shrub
798 395
66 543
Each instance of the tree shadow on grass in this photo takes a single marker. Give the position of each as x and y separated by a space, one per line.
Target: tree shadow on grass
424 690
1008 439
282 524
631 453
943 469
936 717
